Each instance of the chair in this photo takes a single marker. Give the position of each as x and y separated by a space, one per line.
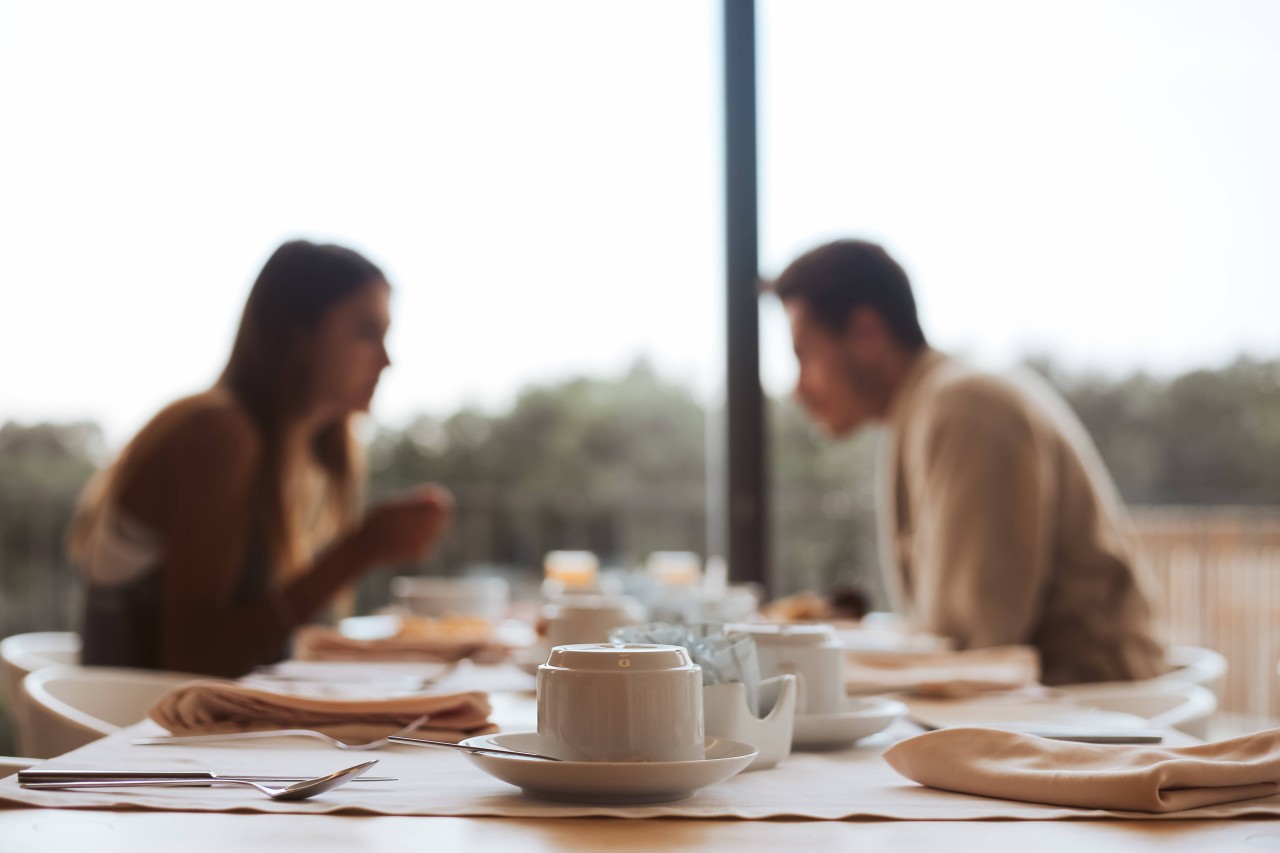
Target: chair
10 765
1196 665
1163 703
70 706
25 653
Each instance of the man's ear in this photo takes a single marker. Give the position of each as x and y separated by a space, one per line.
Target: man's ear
866 332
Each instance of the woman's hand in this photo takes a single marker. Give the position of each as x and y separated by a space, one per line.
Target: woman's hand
406 528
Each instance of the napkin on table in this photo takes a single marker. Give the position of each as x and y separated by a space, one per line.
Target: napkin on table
214 707
944 673
316 642
1013 766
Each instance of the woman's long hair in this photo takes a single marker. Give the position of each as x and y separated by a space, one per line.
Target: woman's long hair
271 374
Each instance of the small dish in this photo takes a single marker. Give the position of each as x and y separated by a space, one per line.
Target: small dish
614 782
729 715
860 718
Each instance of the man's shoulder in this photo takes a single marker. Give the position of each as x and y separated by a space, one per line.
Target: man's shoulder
1019 402
960 390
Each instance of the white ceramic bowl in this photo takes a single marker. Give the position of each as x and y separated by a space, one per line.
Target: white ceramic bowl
436 597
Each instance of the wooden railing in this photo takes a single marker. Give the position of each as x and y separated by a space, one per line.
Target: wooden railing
1217 574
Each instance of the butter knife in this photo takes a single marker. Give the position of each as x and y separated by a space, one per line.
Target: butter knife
193 776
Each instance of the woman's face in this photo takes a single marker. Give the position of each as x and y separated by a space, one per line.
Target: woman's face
350 351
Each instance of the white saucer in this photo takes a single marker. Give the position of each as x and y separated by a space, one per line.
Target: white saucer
861 717
607 781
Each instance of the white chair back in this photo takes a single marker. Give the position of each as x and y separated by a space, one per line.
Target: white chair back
70 706
1197 665
21 654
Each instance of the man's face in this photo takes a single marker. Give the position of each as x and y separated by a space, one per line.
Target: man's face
837 385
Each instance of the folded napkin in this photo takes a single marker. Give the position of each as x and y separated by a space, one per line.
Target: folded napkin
316 642
942 674
214 707
1012 766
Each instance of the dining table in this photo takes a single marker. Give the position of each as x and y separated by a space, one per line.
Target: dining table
836 798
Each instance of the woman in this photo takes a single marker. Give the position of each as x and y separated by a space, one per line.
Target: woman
232 517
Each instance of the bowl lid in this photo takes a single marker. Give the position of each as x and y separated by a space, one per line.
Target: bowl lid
619 657
796 634
587 603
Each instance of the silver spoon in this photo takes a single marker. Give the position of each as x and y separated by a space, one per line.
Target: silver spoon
297 791
333 741
486 750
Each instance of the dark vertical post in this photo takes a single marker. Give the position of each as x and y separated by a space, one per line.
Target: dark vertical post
745 424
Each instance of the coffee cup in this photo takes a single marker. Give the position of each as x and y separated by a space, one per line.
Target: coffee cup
620 702
810 652
575 619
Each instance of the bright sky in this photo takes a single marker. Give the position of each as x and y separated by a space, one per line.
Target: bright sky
542 182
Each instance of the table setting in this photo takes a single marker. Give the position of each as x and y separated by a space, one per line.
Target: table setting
876 776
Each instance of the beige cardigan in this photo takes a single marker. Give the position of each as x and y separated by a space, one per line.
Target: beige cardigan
1000 525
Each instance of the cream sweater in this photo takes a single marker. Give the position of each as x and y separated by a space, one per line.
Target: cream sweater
1001 525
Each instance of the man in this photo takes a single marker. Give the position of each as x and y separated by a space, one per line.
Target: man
998 523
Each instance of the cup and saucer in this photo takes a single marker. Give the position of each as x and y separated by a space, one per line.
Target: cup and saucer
604 782
625 722
825 717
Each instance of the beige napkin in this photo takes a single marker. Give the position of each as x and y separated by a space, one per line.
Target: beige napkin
316 642
213 707
943 674
1032 769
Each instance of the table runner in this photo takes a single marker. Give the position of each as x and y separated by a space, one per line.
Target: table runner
851 783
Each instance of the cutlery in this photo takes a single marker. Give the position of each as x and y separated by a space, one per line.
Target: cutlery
194 777
447 745
297 791
355 747
1089 736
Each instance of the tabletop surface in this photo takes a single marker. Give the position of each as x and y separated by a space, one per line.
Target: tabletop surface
38 830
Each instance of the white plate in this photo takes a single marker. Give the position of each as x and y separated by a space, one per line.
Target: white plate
860 718
1020 713
379 627
344 679
607 781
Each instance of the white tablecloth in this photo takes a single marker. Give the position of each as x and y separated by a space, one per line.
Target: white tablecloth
850 783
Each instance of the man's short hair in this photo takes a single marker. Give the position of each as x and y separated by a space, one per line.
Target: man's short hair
834 279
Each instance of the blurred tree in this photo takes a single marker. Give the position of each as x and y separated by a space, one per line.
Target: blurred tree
42 470
613 466
822 506
1206 437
